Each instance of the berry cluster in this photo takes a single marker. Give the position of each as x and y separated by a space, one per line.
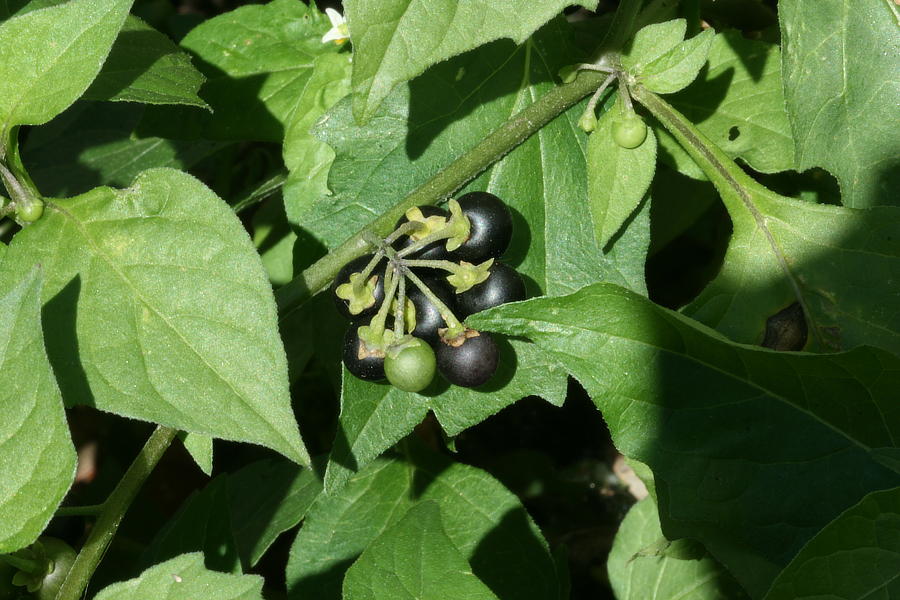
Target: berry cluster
407 300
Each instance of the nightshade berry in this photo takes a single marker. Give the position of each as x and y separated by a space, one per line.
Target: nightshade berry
629 131
412 369
428 317
504 284
469 360
491 227
362 362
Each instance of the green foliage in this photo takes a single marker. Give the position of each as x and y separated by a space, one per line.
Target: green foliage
139 295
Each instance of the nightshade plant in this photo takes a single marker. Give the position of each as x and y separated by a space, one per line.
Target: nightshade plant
129 286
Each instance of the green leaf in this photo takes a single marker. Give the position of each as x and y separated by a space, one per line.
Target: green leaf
414 557
618 177
651 43
679 66
841 88
658 577
185 578
266 498
90 144
397 40
157 307
145 66
738 103
308 159
482 519
202 524
274 241
201 449
725 427
257 61
836 263
856 556
37 459
65 47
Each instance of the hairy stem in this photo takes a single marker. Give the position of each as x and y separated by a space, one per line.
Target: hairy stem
113 510
489 150
727 177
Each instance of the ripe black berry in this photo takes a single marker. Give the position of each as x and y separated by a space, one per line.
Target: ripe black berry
371 295
504 284
361 361
491 227
469 360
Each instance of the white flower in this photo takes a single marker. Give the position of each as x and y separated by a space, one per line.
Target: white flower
339 31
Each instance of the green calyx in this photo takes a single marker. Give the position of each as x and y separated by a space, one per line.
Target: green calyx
359 293
458 227
429 224
468 275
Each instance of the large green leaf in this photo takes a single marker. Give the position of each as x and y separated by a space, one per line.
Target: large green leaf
157 307
266 498
185 578
50 56
257 61
482 519
414 557
202 524
145 66
838 264
638 574
396 40
842 87
737 102
37 460
90 144
857 556
725 427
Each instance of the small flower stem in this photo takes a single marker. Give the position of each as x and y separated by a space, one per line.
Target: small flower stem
454 325
446 265
113 511
27 565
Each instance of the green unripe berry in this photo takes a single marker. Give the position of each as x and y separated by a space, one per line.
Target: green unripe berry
30 211
629 131
412 369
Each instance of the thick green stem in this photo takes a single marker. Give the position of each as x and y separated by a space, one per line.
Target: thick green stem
465 168
113 510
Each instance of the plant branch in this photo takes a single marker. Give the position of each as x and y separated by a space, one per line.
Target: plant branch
113 510
727 177
489 150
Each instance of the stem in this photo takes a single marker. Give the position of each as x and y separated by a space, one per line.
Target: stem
465 168
94 510
727 177
454 325
27 565
113 510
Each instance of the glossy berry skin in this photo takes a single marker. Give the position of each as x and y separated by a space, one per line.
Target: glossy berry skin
356 266
503 285
433 251
491 228
428 317
470 360
412 369
370 366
